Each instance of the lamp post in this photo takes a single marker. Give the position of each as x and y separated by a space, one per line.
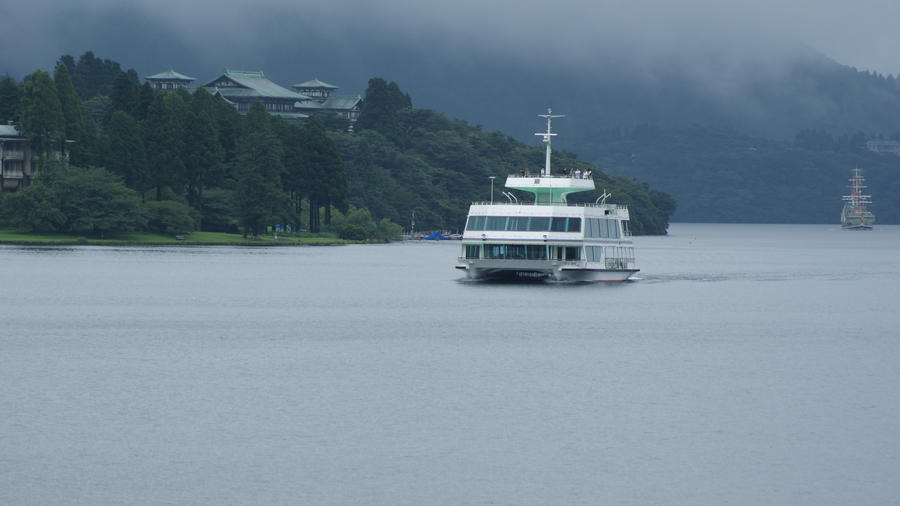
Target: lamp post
492 189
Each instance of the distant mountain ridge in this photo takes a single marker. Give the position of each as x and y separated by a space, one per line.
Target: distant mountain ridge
699 105
772 91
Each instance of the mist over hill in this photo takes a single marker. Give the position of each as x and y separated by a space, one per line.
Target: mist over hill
495 76
728 68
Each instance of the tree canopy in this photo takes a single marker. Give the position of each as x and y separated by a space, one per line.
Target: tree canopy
208 167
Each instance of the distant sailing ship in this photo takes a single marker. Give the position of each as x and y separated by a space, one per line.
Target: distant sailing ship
855 215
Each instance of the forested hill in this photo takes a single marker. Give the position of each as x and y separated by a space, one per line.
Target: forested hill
403 159
206 165
719 175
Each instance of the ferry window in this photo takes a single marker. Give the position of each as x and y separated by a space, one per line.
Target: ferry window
573 253
609 229
517 223
539 224
594 253
516 251
495 223
558 225
574 225
626 230
536 252
475 223
494 251
473 251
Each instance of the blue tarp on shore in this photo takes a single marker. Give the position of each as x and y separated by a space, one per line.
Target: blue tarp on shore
435 236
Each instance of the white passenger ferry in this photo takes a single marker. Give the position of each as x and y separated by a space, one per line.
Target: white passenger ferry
547 238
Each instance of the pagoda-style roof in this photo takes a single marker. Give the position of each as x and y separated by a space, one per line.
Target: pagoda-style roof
9 131
332 103
315 83
170 75
244 84
342 102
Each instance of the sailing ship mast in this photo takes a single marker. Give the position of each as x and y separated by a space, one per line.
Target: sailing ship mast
856 197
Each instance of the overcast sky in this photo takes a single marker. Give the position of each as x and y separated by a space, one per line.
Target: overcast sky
863 33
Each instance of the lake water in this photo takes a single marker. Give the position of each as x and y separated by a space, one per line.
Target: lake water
749 364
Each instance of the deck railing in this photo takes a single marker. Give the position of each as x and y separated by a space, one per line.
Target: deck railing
531 203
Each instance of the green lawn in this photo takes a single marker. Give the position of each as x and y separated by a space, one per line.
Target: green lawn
193 238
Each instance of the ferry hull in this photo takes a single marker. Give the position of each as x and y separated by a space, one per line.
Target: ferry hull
549 273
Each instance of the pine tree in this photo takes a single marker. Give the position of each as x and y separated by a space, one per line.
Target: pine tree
379 109
164 141
126 94
203 153
10 99
42 118
92 76
328 184
296 166
73 114
126 155
260 166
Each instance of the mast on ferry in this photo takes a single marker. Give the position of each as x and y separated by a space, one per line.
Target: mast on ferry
547 135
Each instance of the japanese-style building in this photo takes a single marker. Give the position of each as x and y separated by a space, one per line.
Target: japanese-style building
169 80
18 160
322 99
242 87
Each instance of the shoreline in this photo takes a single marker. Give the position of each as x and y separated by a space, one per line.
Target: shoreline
14 238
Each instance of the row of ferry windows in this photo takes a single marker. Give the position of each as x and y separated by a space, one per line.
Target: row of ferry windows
524 223
596 227
539 252
523 252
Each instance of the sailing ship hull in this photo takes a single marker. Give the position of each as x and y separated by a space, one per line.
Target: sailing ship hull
858 223
860 220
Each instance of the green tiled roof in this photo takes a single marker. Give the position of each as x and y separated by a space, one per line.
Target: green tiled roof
9 131
171 75
333 103
342 101
252 84
290 115
315 83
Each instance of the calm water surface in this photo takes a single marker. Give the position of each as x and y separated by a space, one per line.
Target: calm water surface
750 364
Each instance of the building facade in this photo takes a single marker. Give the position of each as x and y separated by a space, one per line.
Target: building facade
240 88
322 98
243 87
169 81
18 160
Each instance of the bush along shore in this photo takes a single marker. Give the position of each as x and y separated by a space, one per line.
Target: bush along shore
189 239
